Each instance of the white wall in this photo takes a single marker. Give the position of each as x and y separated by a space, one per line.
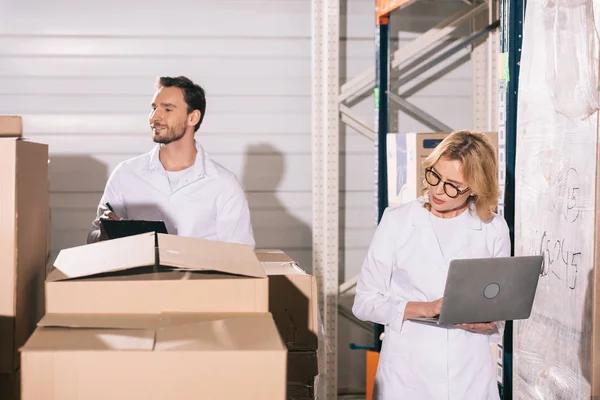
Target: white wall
82 73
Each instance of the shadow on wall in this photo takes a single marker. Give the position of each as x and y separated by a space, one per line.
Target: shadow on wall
274 226
76 185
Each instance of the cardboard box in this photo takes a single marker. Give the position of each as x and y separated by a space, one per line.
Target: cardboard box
125 276
556 351
303 367
405 156
23 243
292 300
166 356
11 126
296 391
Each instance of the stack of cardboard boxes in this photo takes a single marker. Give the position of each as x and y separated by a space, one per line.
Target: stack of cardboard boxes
150 316
23 245
155 316
294 304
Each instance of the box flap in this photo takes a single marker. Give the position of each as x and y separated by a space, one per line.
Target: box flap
276 262
273 256
107 256
106 321
208 255
159 332
283 269
55 275
253 331
51 339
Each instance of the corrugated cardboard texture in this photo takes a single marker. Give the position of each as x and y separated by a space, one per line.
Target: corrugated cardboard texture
11 126
292 300
211 357
23 243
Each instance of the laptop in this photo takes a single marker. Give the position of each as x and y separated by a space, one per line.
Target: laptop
488 289
128 227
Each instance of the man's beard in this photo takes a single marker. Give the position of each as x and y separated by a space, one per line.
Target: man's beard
172 136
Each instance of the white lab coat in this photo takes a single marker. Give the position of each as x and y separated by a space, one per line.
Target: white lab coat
209 203
405 263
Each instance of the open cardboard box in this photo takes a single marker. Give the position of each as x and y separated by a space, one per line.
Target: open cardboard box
162 356
153 273
293 300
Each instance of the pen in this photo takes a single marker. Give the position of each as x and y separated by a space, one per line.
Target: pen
109 207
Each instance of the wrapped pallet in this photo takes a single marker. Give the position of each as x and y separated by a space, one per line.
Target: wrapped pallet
556 354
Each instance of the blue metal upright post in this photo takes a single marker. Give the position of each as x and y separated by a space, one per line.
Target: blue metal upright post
512 19
382 66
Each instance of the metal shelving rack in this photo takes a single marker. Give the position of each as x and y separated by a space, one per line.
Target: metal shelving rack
511 28
484 23
325 146
330 105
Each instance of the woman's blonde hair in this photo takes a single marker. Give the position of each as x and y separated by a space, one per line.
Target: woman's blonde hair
479 167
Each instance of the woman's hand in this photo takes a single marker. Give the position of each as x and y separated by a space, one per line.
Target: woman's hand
417 309
487 328
432 308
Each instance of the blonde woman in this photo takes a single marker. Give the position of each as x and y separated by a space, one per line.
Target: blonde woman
404 274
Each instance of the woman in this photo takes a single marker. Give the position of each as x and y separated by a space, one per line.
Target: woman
404 275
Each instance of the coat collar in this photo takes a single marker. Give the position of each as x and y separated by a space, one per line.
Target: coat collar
422 216
202 167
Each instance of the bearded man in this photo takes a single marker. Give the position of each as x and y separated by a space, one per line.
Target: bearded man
177 182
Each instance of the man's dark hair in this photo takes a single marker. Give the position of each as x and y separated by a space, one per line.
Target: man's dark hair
193 94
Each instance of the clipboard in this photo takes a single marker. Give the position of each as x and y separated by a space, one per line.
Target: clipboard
116 229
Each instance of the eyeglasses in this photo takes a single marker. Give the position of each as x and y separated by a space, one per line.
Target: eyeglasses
451 191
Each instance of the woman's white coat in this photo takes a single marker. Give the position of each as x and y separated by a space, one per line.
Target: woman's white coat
405 263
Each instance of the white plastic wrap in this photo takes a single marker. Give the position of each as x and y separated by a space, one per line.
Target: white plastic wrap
570 39
555 203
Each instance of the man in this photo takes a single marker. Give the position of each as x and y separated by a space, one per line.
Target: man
177 182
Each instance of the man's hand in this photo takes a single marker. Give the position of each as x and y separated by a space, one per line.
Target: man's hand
110 215
107 215
486 328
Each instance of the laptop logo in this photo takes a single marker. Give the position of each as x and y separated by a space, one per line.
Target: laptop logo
491 290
